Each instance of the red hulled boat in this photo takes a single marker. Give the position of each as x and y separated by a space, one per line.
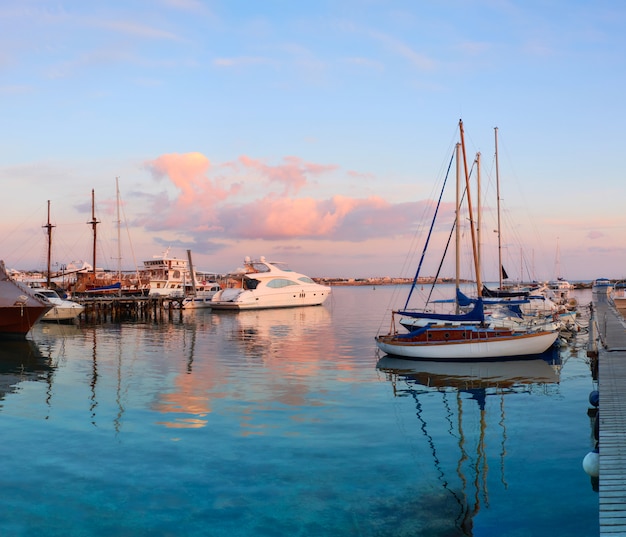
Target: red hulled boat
19 308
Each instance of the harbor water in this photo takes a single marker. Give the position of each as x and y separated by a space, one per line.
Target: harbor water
286 422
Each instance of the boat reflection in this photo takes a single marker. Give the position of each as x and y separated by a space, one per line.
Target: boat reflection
262 333
508 374
22 361
467 425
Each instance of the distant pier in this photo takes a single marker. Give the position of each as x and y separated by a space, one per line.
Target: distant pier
608 339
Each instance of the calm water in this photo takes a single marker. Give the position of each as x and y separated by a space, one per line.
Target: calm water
276 423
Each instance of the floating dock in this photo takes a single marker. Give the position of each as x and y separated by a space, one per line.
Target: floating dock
609 341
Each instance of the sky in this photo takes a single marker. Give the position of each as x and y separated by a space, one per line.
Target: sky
315 133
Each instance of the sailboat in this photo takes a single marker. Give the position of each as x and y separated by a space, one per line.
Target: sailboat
451 337
94 281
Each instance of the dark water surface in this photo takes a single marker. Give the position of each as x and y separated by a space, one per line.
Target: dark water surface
279 422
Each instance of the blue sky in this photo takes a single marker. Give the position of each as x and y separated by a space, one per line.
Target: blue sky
310 132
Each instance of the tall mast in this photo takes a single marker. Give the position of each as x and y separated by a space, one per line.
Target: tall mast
93 223
479 284
498 201
119 247
192 272
479 210
49 227
457 229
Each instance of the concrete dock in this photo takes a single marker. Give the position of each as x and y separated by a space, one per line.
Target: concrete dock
610 342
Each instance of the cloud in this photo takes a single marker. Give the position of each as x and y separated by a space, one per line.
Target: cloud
292 175
231 201
401 49
194 205
242 61
595 235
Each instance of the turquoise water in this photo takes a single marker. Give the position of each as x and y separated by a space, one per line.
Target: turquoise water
277 423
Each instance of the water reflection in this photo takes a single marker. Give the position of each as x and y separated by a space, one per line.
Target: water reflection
22 361
463 417
277 352
262 331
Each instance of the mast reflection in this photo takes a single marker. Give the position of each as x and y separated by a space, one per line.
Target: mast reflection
459 382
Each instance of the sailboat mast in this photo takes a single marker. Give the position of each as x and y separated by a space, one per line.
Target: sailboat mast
457 229
498 203
479 225
93 223
479 285
192 272
119 243
49 227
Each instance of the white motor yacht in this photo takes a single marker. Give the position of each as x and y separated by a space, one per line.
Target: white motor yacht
261 284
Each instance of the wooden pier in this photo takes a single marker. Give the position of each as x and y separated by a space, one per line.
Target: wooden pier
610 341
116 309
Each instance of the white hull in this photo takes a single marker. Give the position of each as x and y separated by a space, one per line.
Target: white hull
64 313
249 300
62 310
517 345
196 303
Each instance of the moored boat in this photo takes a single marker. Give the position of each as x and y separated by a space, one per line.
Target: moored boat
465 343
261 284
173 277
20 309
201 298
472 338
601 286
63 310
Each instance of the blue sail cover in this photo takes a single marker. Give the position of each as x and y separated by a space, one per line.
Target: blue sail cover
476 314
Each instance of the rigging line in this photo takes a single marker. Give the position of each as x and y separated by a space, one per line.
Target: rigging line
445 253
430 232
130 242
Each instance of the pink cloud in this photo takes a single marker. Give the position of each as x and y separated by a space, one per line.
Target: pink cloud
337 218
198 194
595 235
209 206
292 175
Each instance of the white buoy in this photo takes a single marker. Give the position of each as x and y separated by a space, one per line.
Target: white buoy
591 463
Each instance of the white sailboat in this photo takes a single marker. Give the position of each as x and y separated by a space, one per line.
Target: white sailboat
441 340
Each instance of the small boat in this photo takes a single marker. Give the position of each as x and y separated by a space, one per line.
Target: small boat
261 284
471 338
558 291
201 299
20 309
601 286
63 310
201 292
